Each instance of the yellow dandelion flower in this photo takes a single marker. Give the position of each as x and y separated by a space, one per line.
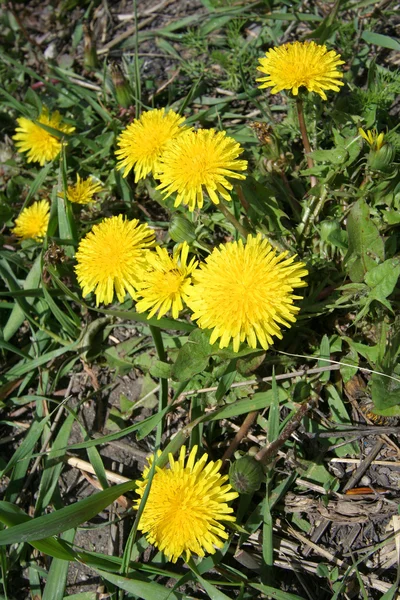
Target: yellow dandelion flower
371 136
33 221
110 256
39 144
297 64
197 161
165 281
143 141
185 506
245 292
84 190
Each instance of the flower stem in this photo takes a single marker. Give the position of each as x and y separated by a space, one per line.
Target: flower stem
304 137
311 213
232 219
163 394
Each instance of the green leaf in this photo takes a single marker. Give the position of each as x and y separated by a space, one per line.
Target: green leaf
382 279
193 357
11 515
17 316
212 592
340 415
347 372
53 465
365 243
161 369
324 352
65 518
336 156
226 380
29 442
142 589
271 592
57 577
385 393
378 39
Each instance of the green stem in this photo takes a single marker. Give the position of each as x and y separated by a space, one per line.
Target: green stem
242 230
304 137
163 395
311 213
232 219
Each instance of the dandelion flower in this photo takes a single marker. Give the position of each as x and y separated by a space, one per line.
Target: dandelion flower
197 161
84 190
165 281
143 141
33 221
185 506
39 144
245 292
371 136
109 257
298 64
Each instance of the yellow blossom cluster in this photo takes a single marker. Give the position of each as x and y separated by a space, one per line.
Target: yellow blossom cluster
243 292
186 162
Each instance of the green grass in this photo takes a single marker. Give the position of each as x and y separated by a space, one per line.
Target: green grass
62 357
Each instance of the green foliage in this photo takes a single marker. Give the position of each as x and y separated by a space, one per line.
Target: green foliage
81 379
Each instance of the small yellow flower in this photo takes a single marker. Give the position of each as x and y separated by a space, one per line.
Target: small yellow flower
39 144
110 257
185 506
84 190
245 292
371 136
297 64
165 281
143 141
33 221
200 161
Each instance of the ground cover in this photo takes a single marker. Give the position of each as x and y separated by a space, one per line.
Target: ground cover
199 263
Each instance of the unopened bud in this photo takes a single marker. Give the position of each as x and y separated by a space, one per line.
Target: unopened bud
382 159
90 60
123 92
181 229
246 475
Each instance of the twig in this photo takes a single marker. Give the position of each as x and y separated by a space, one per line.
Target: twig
83 465
359 472
268 452
266 379
247 423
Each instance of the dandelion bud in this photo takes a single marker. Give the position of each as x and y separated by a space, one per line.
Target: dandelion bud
182 230
90 59
246 475
123 92
382 159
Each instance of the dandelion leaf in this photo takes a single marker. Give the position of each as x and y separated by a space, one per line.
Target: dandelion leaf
366 247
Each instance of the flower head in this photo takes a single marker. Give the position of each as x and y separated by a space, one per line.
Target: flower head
40 145
185 506
33 221
371 136
197 161
165 281
143 141
245 292
84 190
298 64
110 256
